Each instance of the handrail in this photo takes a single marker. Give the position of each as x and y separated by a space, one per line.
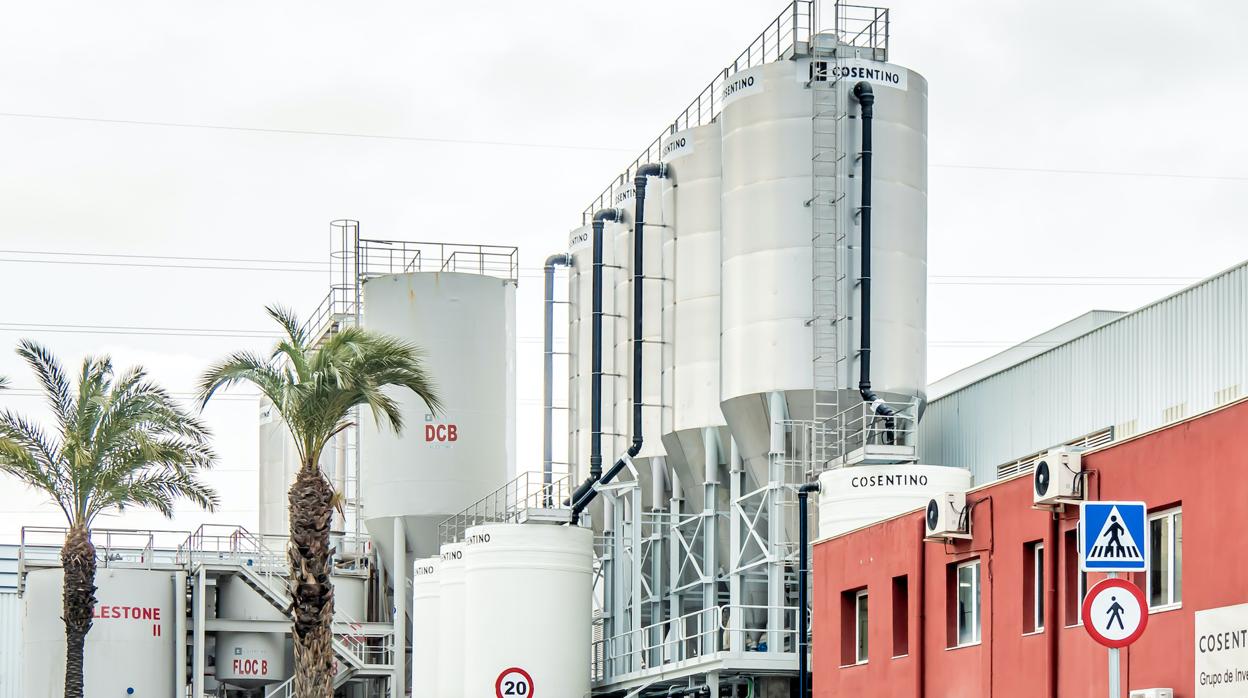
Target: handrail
525 492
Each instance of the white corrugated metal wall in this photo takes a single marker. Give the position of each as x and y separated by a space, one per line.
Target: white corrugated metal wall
1180 356
10 644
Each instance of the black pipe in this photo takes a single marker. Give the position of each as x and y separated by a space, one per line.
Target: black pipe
866 103
548 357
803 569
599 222
650 169
586 492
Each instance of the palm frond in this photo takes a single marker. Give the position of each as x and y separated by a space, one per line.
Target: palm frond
51 377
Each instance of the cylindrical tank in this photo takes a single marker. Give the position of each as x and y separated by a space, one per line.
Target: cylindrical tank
693 313
248 660
529 620
767 341
624 198
443 462
452 649
130 648
426 591
853 497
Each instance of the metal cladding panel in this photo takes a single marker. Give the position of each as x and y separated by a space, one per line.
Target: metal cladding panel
131 643
279 463
451 604
11 645
530 587
767 250
425 595
1175 358
440 464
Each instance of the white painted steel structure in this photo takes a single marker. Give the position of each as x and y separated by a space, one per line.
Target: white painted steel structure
426 591
10 644
529 591
1171 359
451 609
133 636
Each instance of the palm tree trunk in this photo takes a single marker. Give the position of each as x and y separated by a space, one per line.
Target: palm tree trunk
311 505
78 603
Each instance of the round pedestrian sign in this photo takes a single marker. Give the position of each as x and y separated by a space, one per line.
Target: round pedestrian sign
1115 612
513 682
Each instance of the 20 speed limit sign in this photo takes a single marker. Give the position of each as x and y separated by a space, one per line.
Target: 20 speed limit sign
514 682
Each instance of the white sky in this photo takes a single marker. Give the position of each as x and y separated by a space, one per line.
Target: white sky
1112 86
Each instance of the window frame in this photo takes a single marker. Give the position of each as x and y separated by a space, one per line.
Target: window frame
862 645
1037 580
975 615
1173 553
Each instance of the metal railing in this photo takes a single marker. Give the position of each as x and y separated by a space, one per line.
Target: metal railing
786 35
380 257
509 503
863 26
40 546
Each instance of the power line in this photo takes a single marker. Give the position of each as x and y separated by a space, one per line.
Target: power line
161 266
574 147
311 132
156 256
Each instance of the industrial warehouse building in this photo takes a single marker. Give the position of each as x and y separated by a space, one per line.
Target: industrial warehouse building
998 614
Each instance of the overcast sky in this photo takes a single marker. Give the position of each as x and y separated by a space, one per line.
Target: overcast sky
1085 154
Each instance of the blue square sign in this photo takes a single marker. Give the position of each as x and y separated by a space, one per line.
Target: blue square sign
1113 537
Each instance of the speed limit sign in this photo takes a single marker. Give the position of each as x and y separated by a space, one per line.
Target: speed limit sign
513 682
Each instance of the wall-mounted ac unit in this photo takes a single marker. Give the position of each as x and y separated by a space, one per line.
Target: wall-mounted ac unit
947 517
1056 478
1152 693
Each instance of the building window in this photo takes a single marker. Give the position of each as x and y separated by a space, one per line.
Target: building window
1033 587
860 627
1165 565
1076 581
901 616
854 626
968 603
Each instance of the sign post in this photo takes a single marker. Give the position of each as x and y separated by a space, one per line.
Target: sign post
1113 538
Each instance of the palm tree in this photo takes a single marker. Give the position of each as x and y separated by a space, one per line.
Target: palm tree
119 441
315 387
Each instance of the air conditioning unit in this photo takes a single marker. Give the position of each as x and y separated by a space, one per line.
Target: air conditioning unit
947 517
1152 693
1056 478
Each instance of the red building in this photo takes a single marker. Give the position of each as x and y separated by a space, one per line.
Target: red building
998 615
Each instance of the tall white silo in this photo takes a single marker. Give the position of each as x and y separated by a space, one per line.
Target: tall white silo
528 619
451 650
425 640
767 341
623 198
441 463
691 371
131 649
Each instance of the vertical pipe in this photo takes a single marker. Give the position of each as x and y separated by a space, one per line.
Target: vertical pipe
548 367
1050 611
803 569
920 632
197 634
399 569
179 630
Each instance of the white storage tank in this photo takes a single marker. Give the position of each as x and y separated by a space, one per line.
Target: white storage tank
451 602
857 496
691 372
465 325
767 340
248 660
528 623
130 650
624 198
426 591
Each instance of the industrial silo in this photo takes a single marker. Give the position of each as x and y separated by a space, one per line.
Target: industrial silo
691 373
528 622
442 462
425 640
769 295
248 659
131 648
451 649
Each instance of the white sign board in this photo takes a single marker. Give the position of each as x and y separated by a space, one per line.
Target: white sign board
1221 667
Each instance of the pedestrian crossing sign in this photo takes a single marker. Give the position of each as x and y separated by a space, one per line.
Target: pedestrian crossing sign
1113 537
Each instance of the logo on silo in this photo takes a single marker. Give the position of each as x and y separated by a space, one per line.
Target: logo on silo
440 433
739 87
677 147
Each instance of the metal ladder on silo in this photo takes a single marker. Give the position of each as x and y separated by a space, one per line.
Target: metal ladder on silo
828 251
